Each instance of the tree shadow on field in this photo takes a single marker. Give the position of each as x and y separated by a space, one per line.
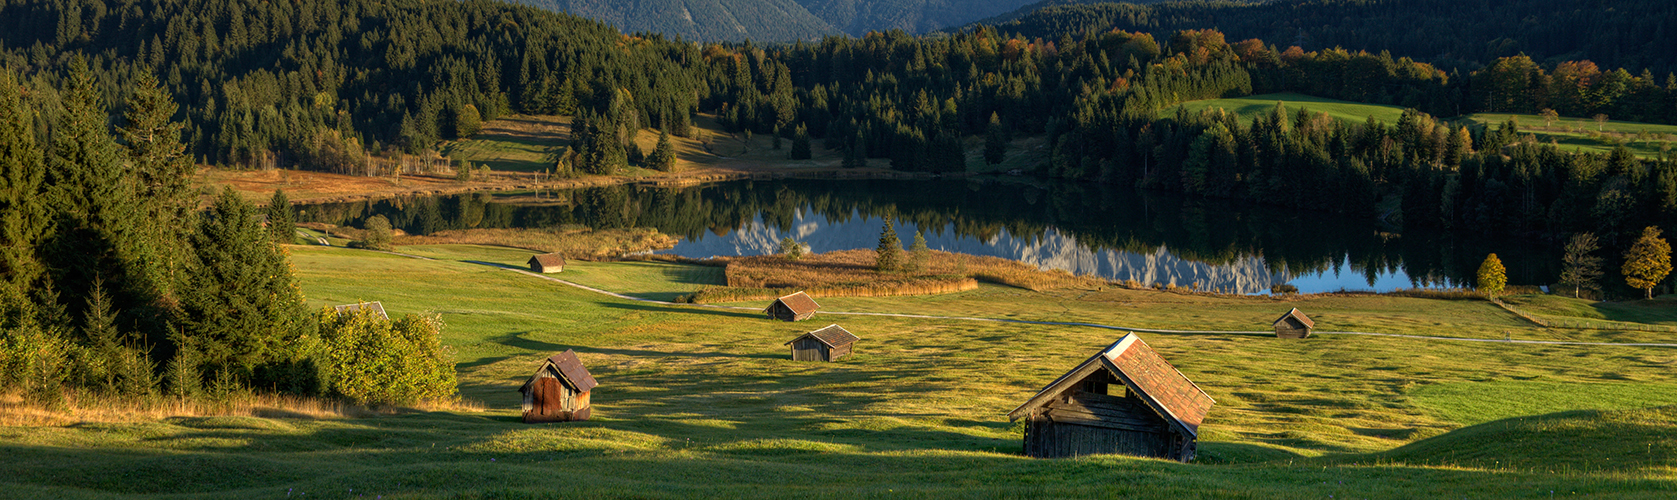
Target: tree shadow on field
642 306
661 354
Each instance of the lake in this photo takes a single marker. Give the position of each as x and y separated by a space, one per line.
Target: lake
1115 233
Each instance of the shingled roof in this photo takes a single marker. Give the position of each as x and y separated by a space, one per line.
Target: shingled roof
832 335
548 260
800 303
1130 360
1298 315
570 368
373 306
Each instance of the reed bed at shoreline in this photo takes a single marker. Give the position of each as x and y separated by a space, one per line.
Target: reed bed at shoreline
578 243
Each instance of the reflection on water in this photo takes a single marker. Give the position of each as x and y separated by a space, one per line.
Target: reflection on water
1090 230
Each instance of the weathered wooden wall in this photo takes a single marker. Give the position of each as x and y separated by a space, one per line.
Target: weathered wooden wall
809 349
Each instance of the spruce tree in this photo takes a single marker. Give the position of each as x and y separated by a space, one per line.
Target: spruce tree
800 143
995 141
920 255
24 217
161 172
663 155
241 307
890 249
281 226
1648 261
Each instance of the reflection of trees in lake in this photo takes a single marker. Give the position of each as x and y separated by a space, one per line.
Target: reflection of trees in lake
1100 217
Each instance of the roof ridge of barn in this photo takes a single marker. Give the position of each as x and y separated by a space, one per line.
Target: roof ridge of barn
1105 359
805 298
570 367
841 337
549 258
1297 314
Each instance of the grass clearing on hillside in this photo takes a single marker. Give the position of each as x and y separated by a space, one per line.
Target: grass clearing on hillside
1646 140
571 242
704 402
1250 106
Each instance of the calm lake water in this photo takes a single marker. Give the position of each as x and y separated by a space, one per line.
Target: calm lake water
1121 234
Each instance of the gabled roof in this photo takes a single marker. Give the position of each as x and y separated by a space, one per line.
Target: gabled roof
1139 367
570 367
373 306
548 260
799 303
1296 314
832 335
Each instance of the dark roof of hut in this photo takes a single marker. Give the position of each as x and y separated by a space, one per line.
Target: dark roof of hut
373 306
548 260
799 303
1160 385
1296 314
832 335
570 367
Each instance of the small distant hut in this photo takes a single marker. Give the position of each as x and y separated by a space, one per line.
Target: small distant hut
558 392
826 344
1294 325
373 306
1126 400
547 263
794 307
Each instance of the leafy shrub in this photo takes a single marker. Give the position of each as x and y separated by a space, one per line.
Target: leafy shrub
371 360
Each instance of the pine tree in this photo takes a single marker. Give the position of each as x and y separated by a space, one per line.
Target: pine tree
240 306
24 218
162 177
800 143
663 156
1648 261
890 249
920 255
281 226
995 141
1492 276
1580 269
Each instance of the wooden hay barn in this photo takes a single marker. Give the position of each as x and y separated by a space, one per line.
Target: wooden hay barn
373 306
558 392
547 263
794 307
1294 325
1125 399
826 344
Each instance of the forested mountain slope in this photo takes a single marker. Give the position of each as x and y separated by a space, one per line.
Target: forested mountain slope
857 17
703 20
1634 34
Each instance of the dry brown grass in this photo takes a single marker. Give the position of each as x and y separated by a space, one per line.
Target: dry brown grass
851 273
573 242
16 410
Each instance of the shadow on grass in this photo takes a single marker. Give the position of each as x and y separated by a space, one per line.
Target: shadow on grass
643 306
661 354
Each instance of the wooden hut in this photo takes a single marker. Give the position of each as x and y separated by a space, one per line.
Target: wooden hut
826 344
794 307
1294 325
1125 399
558 392
373 306
547 263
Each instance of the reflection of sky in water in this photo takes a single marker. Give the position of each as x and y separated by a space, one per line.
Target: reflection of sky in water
1051 250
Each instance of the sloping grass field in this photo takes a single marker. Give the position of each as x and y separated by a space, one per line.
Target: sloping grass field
1255 105
704 402
1647 140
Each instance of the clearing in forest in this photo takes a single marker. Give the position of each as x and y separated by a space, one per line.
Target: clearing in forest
1255 105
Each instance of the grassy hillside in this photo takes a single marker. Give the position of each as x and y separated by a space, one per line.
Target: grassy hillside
1585 134
702 402
1250 106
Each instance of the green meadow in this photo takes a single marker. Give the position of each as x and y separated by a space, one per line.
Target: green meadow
704 402
1251 106
1646 140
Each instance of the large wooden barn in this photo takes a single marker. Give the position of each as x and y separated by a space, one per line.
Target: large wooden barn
1126 400
547 263
558 392
826 344
1294 325
794 307
374 306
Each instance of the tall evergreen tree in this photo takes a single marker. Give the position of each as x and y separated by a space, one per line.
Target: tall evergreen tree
995 141
282 227
241 308
890 250
663 155
161 173
800 143
24 216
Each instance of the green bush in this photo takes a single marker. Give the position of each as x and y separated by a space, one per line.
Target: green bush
371 360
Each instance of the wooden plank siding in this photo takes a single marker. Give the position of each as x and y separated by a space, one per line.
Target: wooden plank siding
809 349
